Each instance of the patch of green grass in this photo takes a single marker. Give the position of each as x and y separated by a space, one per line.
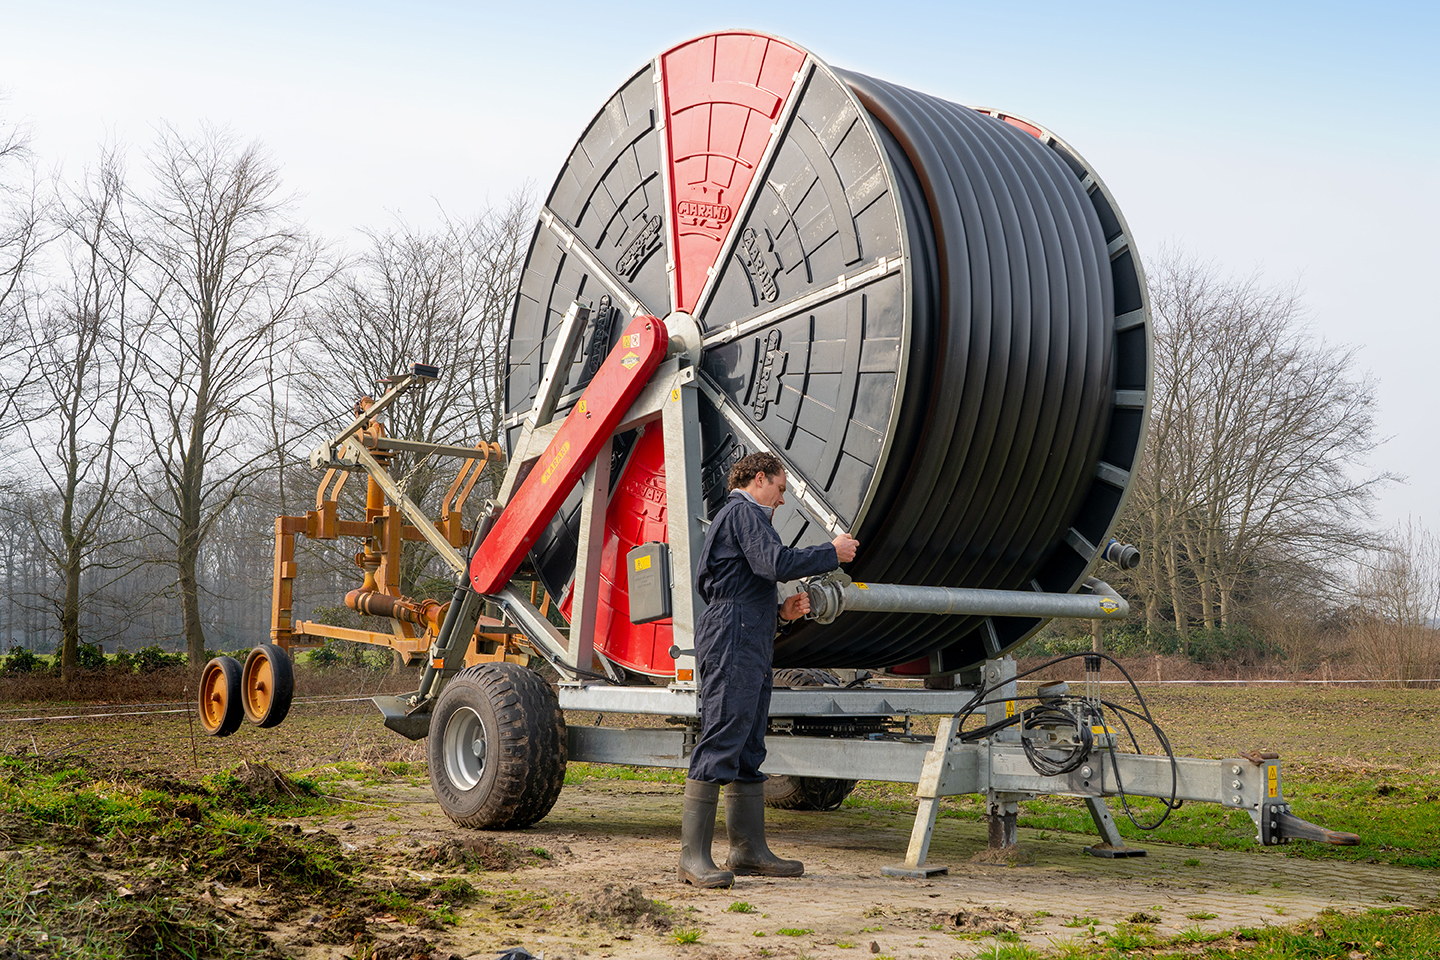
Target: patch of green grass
1197 934
1008 951
1200 915
1400 934
793 931
90 921
1131 936
455 891
1079 921
844 945
686 934
740 906
1192 862
578 772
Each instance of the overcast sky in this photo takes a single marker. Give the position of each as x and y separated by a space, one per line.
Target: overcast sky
1295 139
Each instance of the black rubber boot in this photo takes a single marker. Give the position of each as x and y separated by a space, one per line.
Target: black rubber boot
697 832
745 823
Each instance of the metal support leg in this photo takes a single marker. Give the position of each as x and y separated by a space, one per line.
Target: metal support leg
1111 844
595 497
928 792
684 510
1004 815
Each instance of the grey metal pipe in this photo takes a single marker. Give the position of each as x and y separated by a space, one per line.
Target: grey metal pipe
829 598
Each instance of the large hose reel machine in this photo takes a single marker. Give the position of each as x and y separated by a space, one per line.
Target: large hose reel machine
933 313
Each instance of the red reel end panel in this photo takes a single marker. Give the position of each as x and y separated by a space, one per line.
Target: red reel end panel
723 94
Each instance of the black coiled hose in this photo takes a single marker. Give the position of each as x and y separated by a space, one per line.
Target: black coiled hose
1011 374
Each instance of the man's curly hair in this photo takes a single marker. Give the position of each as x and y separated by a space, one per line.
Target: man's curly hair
746 467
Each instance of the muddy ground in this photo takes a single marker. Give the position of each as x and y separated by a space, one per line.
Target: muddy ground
596 878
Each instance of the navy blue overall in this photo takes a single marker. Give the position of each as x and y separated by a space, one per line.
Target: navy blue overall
742 560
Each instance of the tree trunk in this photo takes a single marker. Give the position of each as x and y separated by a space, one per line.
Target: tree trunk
1177 598
70 616
186 560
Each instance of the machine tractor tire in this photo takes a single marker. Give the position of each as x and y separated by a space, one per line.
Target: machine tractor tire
806 793
497 747
220 697
268 685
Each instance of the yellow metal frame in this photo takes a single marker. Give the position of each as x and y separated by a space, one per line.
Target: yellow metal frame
383 532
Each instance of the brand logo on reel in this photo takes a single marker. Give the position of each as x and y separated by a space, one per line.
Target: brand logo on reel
634 256
767 385
715 469
600 323
698 213
762 265
555 462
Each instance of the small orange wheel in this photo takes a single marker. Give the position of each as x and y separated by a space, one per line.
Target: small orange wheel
220 711
268 684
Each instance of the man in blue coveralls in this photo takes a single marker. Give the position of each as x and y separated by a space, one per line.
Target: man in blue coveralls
740 564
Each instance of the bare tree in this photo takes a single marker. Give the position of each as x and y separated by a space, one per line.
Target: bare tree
439 297
22 212
1253 482
1397 628
84 343
228 274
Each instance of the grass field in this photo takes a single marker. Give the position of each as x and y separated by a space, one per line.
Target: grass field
130 837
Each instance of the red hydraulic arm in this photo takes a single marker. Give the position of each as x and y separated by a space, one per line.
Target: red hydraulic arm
589 424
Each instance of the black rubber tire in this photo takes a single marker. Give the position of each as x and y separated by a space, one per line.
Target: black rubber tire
220 686
282 678
806 793
514 777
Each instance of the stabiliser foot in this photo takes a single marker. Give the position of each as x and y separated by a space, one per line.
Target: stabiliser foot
914 873
1113 853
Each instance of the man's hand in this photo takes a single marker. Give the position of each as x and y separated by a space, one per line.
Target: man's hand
845 547
795 607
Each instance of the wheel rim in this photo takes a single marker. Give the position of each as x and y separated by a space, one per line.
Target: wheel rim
214 696
259 687
465 748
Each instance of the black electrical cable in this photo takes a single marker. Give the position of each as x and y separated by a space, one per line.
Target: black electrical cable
1075 754
978 700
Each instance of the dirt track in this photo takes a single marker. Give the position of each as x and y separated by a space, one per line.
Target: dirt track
625 834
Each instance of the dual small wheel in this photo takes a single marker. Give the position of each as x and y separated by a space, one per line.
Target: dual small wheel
497 747
261 690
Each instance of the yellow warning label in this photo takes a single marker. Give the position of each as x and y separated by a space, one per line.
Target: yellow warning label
580 406
862 586
629 361
642 563
1108 605
1272 777
1009 708
675 394
1100 731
